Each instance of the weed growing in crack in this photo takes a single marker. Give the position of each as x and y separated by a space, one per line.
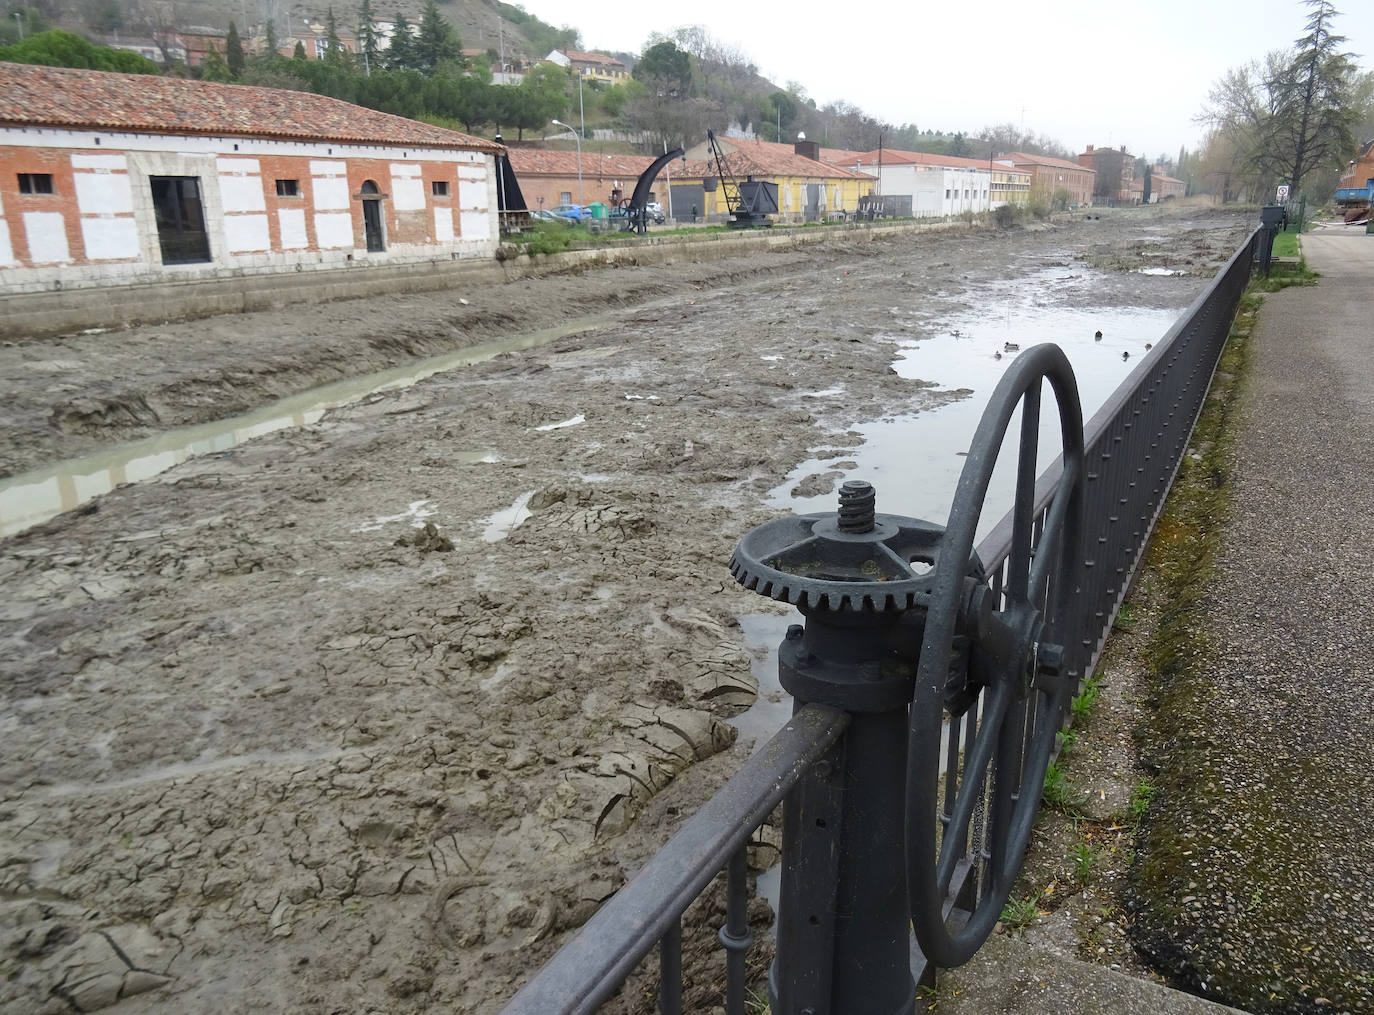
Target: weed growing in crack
1141 795
1058 793
1124 620
1084 700
1068 740
1083 857
1018 914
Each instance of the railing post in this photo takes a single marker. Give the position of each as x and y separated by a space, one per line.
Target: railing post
843 921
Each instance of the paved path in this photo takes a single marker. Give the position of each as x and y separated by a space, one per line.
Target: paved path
1284 870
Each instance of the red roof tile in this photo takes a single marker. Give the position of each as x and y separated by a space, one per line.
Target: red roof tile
547 162
1022 159
770 158
601 58
88 99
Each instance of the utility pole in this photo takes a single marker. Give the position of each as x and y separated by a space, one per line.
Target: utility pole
19 20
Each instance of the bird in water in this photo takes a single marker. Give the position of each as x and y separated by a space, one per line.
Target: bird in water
996 355
1149 345
1010 346
1097 337
1125 355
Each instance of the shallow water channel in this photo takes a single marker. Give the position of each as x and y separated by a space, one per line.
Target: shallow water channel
33 497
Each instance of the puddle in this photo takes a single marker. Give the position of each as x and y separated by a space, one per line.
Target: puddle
914 459
579 418
31 498
763 633
415 513
507 520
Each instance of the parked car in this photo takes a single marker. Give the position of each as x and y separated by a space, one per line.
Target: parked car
655 213
541 215
575 212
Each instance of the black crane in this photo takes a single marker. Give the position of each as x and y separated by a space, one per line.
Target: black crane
750 202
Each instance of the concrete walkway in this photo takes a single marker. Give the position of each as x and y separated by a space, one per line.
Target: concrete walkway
1273 900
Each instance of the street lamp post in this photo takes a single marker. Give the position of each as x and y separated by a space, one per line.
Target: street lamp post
577 137
19 20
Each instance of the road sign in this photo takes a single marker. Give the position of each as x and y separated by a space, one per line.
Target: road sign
1283 192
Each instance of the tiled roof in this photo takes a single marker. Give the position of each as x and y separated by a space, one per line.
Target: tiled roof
1022 159
545 162
573 54
769 158
144 103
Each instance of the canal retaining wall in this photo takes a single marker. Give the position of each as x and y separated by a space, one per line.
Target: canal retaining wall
31 315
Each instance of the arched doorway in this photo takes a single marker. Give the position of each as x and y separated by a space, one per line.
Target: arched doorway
372 217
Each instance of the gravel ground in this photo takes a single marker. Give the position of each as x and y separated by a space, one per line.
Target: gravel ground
1257 860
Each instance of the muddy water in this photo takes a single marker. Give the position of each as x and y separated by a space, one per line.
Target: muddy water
34 497
914 460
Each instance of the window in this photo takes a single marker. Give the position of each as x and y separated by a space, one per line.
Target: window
946 193
565 197
35 183
288 188
439 188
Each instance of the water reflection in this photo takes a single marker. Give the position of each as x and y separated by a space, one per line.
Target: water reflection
34 497
914 459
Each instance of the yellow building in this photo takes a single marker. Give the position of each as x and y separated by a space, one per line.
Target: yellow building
809 190
591 66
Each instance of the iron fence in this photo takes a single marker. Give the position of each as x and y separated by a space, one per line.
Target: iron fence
1131 450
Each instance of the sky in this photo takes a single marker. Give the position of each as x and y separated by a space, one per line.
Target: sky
1080 71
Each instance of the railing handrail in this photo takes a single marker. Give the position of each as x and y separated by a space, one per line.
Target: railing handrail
590 967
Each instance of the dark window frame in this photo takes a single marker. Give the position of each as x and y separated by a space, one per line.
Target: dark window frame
288 188
34 184
439 188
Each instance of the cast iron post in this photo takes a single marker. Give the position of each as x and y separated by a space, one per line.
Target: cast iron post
844 924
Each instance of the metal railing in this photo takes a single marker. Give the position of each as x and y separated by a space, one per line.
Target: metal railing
1133 447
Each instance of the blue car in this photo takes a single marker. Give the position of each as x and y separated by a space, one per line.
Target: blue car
575 212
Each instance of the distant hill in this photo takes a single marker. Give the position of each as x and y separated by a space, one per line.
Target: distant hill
482 24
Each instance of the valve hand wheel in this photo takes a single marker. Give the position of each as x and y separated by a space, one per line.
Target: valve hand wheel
975 819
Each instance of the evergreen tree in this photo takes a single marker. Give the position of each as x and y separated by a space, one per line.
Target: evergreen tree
272 43
299 52
402 53
233 51
1314 112
438 41
367 37
333 45
215 68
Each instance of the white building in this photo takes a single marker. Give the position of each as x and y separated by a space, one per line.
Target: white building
123 178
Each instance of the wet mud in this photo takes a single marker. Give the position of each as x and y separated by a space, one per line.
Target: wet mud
368 715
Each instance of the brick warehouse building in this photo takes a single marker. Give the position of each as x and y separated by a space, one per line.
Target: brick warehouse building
123 178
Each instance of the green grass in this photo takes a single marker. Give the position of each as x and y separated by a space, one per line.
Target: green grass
1083 701
1286 245
1083 856
1018 914
1141 795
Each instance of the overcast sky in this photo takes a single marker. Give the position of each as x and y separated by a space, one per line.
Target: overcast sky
1081 71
